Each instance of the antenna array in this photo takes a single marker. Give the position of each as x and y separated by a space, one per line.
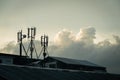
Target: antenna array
44 44
20 37
31 36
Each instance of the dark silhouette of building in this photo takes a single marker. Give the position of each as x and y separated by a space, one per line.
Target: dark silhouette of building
13 59
16 72
16 67
51 62
73 64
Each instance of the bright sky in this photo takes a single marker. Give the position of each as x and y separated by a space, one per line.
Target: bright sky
50 16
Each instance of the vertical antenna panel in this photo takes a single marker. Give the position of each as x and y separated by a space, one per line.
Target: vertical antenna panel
21 35
41 40
34 31
17 36
28 32
46 40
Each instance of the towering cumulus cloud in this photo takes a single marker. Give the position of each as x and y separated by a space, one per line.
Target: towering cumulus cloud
64 37
86 35
82 46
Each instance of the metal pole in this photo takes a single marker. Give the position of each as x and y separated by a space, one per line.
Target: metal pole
20 43
31 48
44 53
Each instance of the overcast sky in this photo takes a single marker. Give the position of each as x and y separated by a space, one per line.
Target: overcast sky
50 16
66 21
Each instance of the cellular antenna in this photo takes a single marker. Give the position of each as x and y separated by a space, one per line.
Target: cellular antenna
44 44
28 32
20 37
31 36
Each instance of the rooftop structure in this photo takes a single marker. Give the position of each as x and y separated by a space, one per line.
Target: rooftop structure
13 59
14 72
74 64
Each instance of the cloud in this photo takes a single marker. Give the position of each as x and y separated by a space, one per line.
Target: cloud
117 39
86 34
9 48
71 45
65 37
80 46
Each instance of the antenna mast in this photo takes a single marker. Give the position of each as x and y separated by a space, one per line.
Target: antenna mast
31 36
20 37
44 44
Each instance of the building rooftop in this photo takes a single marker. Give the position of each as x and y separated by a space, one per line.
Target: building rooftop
11 55
15 72
75 61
